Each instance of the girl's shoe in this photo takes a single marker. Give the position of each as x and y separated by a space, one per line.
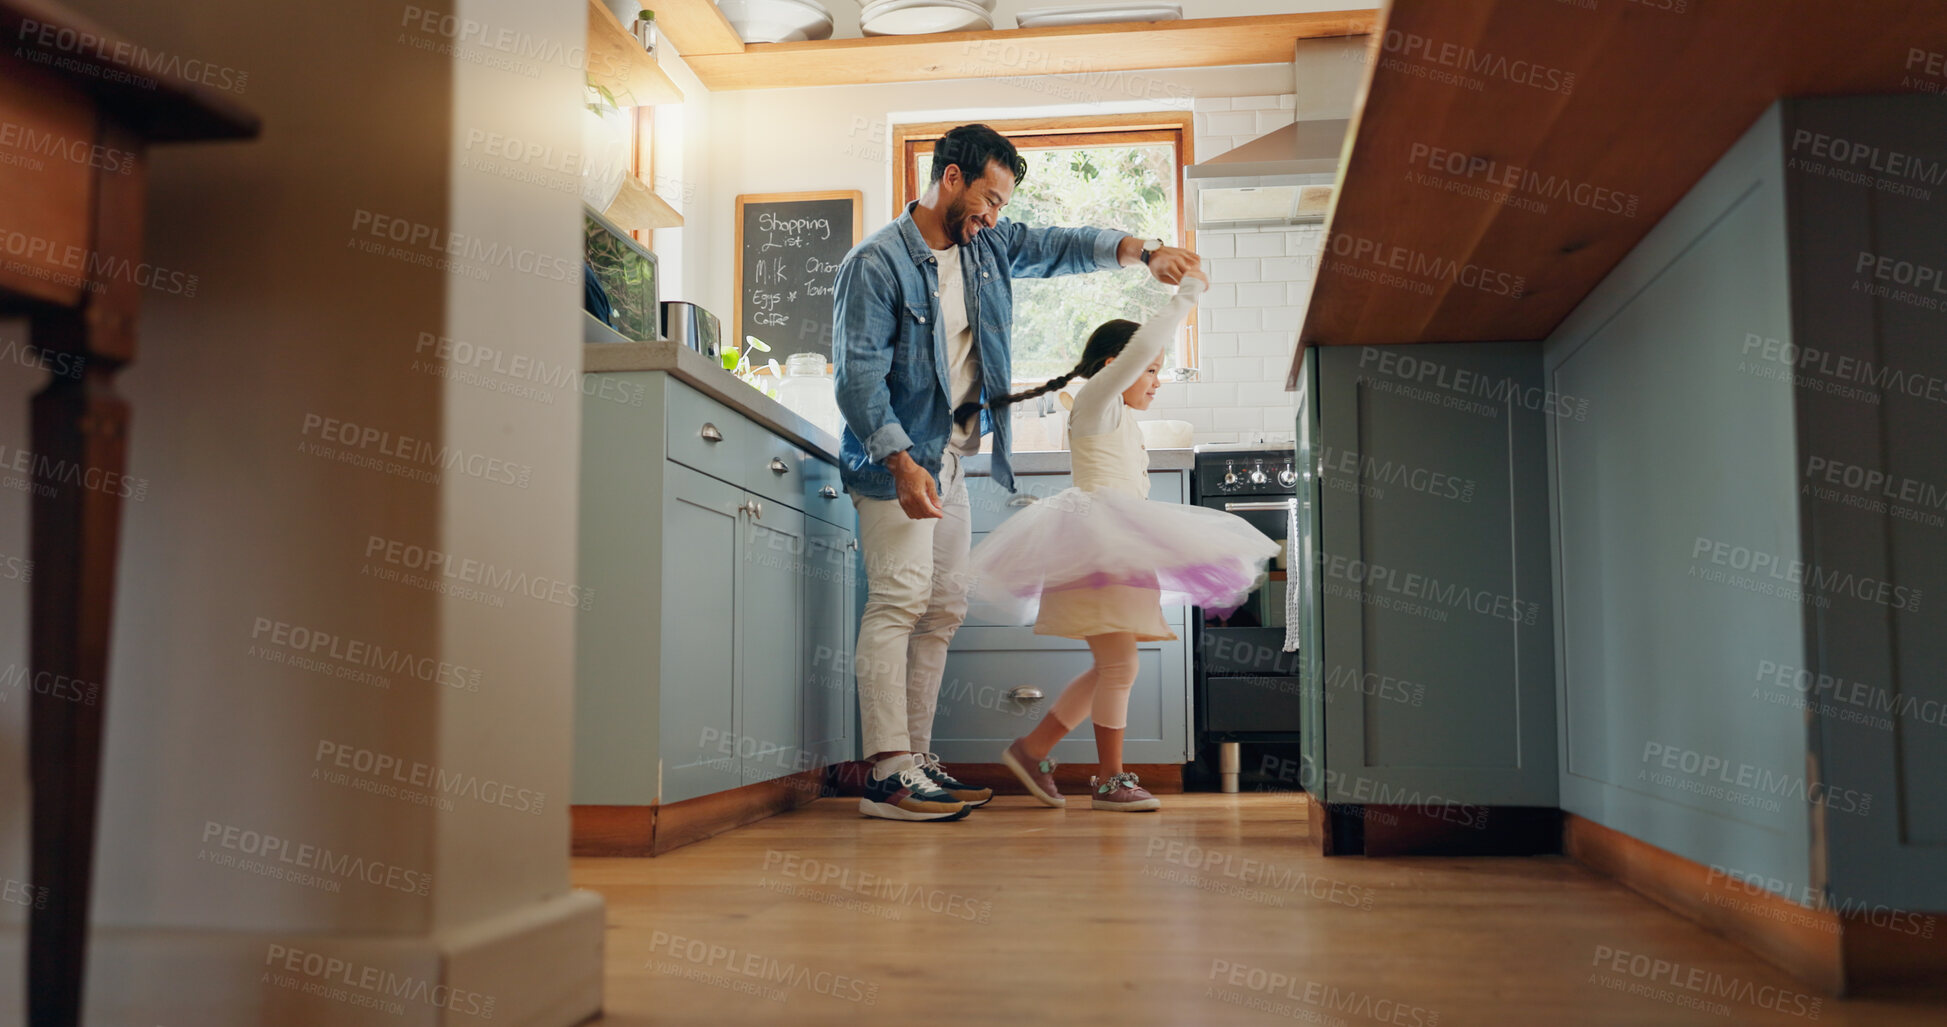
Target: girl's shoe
1037 775
1121 792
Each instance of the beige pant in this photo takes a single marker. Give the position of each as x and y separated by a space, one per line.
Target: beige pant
916 597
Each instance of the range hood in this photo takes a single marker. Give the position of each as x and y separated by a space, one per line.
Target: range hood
1285 177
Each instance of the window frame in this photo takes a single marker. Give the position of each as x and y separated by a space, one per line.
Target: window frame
910 141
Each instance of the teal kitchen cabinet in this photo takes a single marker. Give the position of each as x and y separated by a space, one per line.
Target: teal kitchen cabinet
770 641
831 603
700 605
1426 598
1001 678
715 651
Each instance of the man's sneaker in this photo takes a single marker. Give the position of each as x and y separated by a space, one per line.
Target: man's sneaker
1037 775
961 791
1121 792
908 794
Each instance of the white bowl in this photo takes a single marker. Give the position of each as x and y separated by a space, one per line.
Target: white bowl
777 21
924 17
1167 434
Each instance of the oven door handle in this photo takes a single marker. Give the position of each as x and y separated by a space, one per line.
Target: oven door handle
1277 504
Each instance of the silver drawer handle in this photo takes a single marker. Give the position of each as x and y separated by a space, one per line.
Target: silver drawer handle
710 433
828 492
1279 504
1024 693
852 544
754 508
1022 500
778 466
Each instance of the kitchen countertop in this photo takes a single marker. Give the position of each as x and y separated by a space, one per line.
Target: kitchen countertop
709 377
706 376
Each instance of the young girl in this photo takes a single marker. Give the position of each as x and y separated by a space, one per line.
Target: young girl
1098 561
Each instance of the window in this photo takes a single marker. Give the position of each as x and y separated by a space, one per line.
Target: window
1111 172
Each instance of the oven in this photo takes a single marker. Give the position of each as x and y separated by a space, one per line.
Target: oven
1247 686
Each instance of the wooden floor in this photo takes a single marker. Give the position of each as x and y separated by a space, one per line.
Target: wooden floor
1213 911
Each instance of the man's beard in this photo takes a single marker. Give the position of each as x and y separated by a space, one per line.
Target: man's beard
956 222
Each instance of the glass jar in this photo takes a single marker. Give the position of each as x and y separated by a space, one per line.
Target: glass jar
808 391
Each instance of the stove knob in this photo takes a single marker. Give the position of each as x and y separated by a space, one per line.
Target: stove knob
1287 477
1258 477
1230 475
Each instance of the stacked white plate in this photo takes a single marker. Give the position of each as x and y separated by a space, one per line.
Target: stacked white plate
1097 14
921 17
777 21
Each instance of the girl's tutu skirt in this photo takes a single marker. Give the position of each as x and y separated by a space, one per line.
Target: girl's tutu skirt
1086 563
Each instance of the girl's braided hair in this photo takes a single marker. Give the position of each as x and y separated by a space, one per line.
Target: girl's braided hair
1105 342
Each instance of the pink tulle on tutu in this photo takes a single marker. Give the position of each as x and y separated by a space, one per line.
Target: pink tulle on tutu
1077 539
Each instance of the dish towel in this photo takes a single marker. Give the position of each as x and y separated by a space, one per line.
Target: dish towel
1293 629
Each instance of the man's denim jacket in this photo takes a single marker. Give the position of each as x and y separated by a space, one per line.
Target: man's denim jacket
889 344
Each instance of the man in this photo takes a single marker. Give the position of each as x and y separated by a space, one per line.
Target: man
921 322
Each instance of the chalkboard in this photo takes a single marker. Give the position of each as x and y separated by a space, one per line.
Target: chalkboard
789 246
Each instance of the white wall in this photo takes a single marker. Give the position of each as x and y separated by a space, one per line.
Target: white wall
209 719
839 137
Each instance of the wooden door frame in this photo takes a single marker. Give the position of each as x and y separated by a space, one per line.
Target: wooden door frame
1175 127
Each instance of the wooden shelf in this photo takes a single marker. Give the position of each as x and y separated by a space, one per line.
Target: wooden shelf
638 208
1083 49
618 63
696 28
1657 97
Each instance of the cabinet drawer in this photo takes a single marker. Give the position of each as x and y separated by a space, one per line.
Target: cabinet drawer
774 467
990 504
824 495
978 716
691 417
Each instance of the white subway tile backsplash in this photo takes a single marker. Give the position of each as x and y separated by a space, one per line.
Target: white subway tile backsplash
1210 145
1284 318
1288 101
1260 244
1252 103
1233 369
1300 243
1212 103
1230 123
1216 344
1298 293
1236 319
1271 121
1206 394
1236 419
1217 245
1266 391
1259 294
1235 270
1222 296
1285 269
1263 344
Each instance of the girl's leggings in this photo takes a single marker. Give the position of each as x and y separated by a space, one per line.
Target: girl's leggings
1102 691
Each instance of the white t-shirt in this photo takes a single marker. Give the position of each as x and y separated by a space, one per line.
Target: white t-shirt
963 358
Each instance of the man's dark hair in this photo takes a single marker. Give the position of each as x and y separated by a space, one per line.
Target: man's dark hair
971 147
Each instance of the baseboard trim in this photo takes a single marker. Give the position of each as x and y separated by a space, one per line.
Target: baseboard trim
1806 943
1160 778
539 965
654 830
